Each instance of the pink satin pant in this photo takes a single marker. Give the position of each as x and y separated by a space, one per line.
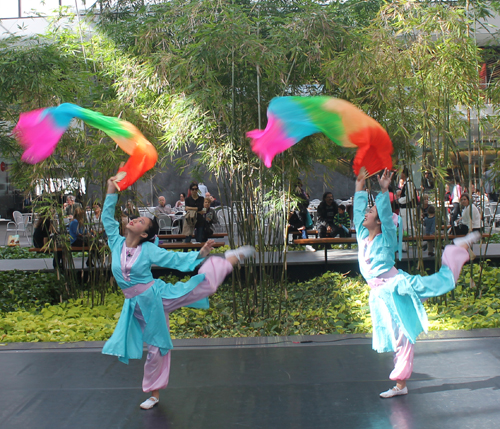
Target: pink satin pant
157 367
454 257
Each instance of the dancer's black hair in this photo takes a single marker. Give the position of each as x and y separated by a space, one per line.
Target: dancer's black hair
152 231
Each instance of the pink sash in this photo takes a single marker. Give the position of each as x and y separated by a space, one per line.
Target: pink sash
382 278
137 289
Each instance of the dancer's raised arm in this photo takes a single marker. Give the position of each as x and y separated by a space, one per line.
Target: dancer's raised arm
384 209
360 204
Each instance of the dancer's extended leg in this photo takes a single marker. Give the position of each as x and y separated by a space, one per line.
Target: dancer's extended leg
157 367
437 284
216 270
455 257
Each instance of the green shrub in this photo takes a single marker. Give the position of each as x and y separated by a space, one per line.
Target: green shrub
495 238
28 290
21 253
331 303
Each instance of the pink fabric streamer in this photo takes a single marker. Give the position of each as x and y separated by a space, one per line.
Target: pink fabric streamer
274 133
33 126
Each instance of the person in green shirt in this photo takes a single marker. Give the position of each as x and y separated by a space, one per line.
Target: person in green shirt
342 221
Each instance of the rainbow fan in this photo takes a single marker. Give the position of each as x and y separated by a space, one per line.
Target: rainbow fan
39 131
290 119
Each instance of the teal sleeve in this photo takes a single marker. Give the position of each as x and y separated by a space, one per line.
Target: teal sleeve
384 211
360 204
182 261
111 226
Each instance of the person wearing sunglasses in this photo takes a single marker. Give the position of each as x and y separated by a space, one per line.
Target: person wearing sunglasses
194 220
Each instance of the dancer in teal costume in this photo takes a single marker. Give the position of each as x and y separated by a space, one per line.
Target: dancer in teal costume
398 315
149 301
127 339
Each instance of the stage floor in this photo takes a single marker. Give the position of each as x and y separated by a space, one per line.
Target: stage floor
332 382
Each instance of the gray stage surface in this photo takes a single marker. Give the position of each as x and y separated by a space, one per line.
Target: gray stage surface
328 382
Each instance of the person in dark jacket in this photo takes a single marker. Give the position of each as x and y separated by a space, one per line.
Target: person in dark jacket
42 231
195 203
302 202
327 210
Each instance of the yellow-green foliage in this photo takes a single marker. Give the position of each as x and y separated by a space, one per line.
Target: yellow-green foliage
331 303
74 320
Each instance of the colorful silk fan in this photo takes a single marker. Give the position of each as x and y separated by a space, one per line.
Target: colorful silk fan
290 119
40 130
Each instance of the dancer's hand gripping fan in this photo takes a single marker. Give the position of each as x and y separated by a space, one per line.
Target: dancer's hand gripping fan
290 119
39 131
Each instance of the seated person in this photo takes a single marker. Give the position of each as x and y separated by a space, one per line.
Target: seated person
213 201
95 220
430 227
130 211
42 231
467 224
210 219
302 202
162 208
77 230
326 212
424 206
96 212
70 206
181 203
342 221
295 223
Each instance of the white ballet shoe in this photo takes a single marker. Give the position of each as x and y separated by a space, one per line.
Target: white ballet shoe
395 391
149 403
241 253
469 239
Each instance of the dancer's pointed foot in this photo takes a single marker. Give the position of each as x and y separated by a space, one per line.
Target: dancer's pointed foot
149 403
468 240
395 391
239 254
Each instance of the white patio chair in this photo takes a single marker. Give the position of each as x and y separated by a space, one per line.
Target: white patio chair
167 225
495 213
487 216
225 217
18 227
313 204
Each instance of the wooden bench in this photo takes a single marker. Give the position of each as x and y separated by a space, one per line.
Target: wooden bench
182 236
325 241
314 232
350 240
186 246
434 237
